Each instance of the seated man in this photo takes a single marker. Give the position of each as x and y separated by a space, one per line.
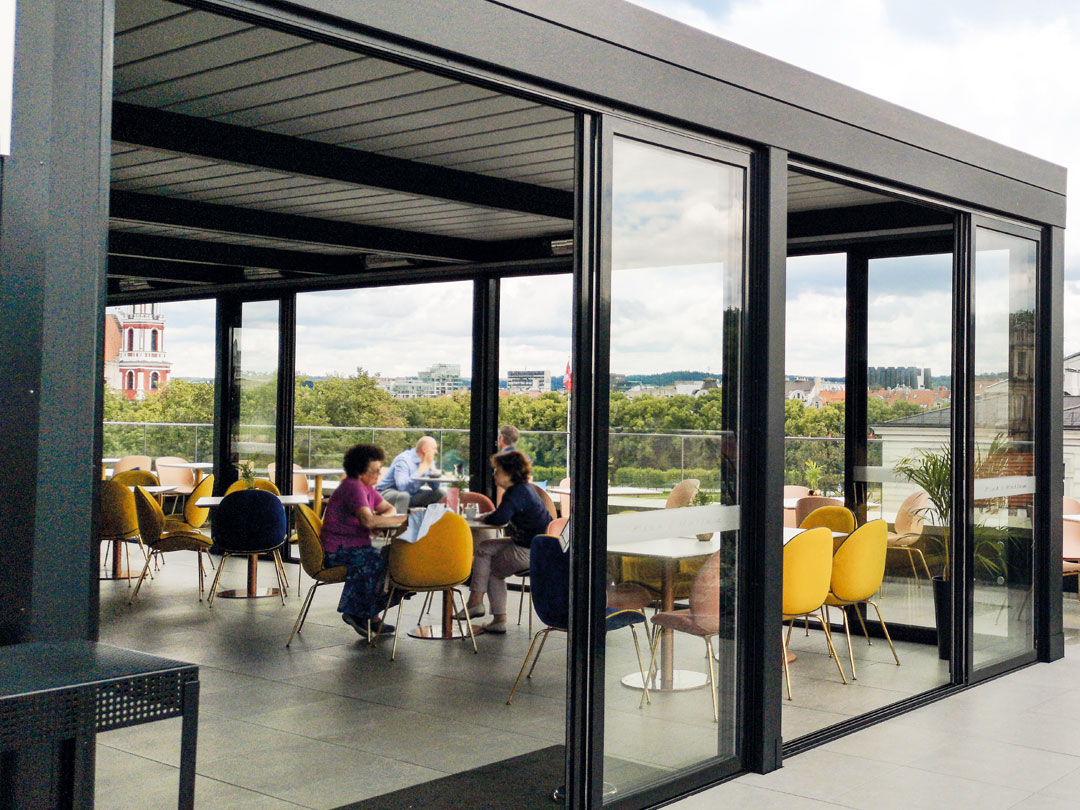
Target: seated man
400 487
508 438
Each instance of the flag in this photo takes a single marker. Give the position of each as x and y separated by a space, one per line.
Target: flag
568 380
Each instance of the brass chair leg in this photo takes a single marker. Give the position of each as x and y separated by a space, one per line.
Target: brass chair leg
298 625
472 636
712 678
911 559
654 638
832 649
924 565
525 663
546 631
397 629
142 576
858 614
283 589
787 670
847 632
885 630
641 668
217 580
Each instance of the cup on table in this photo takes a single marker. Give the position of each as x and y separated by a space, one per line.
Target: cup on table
472 511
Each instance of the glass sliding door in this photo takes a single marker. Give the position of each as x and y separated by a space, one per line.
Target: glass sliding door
677 262
253 436
1002 467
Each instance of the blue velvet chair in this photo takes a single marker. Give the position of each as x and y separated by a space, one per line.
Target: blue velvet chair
247 522
549 570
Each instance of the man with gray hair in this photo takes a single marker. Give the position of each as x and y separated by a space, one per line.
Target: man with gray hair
508 438
403 485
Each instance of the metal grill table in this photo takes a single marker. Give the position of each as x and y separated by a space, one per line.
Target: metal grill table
63 692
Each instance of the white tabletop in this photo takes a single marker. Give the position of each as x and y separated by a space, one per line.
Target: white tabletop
157 489
676 548
1071 518
188 465
109 460
319 470
286 500
440 479
611 491
479 524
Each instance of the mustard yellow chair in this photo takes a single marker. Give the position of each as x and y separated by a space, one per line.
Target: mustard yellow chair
136 478
313 560
649 573
807 574
119 522
804 506
264 484
834 518
908 528
159 540
193 516
439 561
857 570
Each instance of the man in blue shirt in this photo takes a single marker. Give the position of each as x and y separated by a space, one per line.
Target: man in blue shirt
400 485
508 438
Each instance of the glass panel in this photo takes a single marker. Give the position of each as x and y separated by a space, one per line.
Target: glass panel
1003 467
676 324
255 377
384 365
534 357
174 341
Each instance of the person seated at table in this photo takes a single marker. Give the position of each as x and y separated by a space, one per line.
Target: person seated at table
400 487
353 511
508 438
494 560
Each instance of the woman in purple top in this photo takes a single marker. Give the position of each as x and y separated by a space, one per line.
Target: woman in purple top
352 512
525 516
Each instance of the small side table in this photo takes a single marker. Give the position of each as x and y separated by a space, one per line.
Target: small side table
56 695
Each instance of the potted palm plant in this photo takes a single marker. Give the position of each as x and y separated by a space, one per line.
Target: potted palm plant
703 498
247 473
813 476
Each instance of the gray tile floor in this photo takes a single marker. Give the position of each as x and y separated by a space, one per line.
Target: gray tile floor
330 720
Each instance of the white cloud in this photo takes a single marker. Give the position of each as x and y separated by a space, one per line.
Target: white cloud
1005 71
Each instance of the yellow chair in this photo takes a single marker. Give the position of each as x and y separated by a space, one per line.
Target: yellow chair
834 518
136 478
439 561
804 506
649 573
807 574
193 517
313 560
908 529
264 484
119 520
159 540
857 570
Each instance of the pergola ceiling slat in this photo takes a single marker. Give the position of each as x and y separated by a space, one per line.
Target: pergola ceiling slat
251 148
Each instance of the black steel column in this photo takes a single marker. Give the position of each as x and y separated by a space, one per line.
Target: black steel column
761 561
855 372
286 392
54 208
588 451
484 400
226 393
962 438
1049 637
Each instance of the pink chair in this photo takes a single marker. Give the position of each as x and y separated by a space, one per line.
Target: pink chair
793 491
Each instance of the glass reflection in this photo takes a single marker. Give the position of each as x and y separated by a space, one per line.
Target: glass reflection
676 297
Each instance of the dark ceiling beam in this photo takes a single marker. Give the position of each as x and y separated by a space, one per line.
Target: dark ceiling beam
150 246
244 146
173 272
160 210
855 219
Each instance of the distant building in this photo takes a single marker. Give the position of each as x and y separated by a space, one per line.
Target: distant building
518 382
443 378
135 350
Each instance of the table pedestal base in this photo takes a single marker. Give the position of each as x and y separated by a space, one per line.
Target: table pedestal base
681 680
120 575
435 632
237 593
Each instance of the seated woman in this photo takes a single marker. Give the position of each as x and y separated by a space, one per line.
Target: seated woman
494 560
352 512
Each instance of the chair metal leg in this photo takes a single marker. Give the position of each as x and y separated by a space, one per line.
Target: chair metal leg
641 668
217 580
858 614
525 663
911 559
787 671
428 597
546 631
832 649
397 629
279 569
202 574
885 630
847 632
298 625
472 636
712 678
653 638
142 576
924 565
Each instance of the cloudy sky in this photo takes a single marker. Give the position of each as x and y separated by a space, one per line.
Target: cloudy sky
1002 69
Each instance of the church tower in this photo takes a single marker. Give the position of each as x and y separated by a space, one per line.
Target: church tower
138 366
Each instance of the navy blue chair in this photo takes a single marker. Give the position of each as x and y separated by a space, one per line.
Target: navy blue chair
549 570
247 522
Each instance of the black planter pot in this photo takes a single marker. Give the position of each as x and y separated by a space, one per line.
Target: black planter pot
943 617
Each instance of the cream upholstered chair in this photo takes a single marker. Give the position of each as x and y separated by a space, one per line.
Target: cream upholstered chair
180 477
908 528
132 463
793 492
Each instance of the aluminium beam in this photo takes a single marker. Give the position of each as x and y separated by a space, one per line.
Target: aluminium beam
161 210
244 146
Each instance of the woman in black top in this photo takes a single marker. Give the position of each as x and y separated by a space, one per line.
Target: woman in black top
494 560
